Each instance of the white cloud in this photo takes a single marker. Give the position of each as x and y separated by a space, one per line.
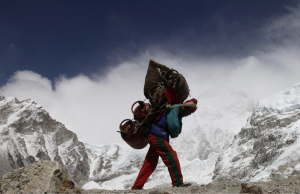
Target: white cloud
91 108
94 108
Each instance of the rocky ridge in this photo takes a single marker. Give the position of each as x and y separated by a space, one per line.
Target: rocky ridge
39 177
267 147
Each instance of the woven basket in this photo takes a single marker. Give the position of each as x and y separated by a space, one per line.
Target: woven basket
155 75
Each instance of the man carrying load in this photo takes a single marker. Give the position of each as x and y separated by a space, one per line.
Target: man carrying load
156 121
168 124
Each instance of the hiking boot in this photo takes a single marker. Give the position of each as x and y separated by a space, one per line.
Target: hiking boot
184 185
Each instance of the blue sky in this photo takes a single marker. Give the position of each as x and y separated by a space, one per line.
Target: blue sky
55 37
85 61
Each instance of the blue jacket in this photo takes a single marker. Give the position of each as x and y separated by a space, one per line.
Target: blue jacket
170 123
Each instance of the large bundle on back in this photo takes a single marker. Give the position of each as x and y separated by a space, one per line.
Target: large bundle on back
159 78
159 82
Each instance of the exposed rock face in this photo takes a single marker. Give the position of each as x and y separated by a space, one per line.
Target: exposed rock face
267 148
29 134
39 177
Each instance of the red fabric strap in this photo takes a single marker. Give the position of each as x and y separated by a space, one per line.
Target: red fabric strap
172 96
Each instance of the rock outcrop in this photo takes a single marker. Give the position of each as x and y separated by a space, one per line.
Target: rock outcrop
39 177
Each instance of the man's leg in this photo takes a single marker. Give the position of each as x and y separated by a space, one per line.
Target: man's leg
148 167
169 157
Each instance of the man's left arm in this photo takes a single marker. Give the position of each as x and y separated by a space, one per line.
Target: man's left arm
174 121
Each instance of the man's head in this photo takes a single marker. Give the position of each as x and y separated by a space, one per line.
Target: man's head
186 111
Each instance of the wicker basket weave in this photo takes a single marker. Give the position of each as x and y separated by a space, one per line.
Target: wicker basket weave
155 75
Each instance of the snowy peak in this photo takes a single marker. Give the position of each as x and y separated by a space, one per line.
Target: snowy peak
12 110
29 134
285 101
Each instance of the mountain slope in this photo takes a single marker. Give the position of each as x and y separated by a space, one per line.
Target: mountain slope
28 134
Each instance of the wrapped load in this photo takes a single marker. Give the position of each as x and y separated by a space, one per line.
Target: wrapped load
159 78
161 83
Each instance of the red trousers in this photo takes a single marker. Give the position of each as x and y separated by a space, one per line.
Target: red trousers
159 147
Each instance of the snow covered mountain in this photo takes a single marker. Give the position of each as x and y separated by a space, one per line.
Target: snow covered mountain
113 166
28 134
221 114
268 147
